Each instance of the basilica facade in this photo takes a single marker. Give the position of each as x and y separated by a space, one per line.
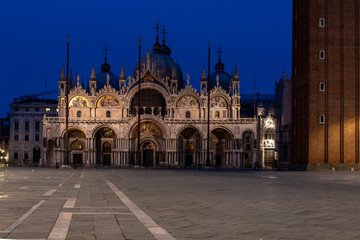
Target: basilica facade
103 119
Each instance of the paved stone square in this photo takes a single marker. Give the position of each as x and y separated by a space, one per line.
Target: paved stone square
40 203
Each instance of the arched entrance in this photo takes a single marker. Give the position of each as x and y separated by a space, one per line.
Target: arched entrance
105 139
221 141
189 142
151 139
148 151
76 147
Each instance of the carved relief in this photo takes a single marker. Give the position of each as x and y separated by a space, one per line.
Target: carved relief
187 101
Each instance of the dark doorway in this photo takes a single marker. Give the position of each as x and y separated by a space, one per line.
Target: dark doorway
148 158
77 160
107 154
218 160
188 160
36 155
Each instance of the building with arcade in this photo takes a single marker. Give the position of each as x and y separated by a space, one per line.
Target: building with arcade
103 118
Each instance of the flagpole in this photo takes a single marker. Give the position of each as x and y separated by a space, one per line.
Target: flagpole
139 105
67 104
208 120
254 98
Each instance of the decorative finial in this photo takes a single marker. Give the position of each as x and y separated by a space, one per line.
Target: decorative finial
157 28
217 80
106 49
219 52
77 80
188 79
164 33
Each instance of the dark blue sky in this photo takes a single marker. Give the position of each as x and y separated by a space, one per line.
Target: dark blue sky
254 34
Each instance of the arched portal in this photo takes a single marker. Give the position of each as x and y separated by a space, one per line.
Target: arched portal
221 142
151 141
148 152
151 102
189 142
76 147
105 139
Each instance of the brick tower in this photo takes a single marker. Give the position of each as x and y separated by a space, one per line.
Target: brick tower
325 75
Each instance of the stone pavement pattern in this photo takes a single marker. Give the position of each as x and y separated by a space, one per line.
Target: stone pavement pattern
182 204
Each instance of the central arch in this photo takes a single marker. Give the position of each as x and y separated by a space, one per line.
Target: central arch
151 144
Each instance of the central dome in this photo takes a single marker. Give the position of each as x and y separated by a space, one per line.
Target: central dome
163 63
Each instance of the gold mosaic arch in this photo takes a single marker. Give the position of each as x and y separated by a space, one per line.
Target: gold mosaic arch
218 101
107 101
79 101
147 128
187 101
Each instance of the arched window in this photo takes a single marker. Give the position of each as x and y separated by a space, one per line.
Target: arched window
322 119
321 22
322 54
217 114
322 87
78 114
187 114
108 114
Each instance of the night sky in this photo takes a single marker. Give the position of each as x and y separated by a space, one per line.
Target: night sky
254 34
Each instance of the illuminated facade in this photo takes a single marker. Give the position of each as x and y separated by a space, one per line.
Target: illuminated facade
173 132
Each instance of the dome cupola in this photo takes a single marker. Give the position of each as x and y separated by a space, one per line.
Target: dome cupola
220 77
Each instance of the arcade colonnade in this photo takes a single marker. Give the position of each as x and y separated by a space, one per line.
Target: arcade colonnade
180 145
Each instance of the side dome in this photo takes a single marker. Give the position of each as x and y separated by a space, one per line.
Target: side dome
102 77
224 80
164 64
221 76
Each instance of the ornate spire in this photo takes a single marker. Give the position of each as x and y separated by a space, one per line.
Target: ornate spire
82 83
173 74
62 75
157 46
122 75
93 75
203 76
236 74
